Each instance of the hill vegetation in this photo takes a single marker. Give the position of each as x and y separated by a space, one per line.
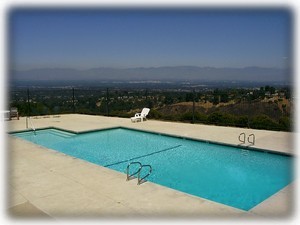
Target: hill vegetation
260 108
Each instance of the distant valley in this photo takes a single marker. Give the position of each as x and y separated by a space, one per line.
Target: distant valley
154 74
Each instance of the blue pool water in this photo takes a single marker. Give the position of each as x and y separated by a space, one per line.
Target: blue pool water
224 174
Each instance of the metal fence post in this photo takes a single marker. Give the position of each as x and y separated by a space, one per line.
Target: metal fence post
28 108
73 99
28 104
107 111
193 106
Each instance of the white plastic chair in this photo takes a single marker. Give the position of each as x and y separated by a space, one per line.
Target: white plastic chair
140 116
14 112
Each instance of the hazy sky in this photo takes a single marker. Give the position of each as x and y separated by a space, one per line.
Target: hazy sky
86 38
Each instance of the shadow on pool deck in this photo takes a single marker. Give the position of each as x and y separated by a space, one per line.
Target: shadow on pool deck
28 211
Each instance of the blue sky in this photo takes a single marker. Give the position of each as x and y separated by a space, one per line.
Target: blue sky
145 38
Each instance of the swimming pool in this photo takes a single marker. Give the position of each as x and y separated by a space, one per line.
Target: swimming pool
224 174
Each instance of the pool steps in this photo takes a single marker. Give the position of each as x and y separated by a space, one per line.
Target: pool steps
62 134
53 132
141 166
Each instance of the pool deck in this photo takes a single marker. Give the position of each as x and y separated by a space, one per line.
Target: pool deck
49 184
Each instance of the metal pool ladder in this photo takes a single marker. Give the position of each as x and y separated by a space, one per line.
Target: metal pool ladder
31 124
253 139
242 138
138 172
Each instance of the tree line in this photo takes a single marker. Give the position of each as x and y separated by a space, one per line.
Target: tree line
252 108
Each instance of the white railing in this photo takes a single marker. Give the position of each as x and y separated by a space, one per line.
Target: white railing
31 124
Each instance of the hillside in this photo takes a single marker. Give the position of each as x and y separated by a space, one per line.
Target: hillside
272 108
271 114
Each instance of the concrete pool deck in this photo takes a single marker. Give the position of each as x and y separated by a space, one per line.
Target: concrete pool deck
46 183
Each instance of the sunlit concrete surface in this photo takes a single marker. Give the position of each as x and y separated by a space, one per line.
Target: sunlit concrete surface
49 184
271 140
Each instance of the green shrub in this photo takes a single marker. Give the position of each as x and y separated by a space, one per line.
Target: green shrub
285 123
223 119
154 114
264 122
241 121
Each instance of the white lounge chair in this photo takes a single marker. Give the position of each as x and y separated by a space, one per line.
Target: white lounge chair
14 112
140 116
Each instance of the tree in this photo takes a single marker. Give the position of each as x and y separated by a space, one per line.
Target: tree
189 97
264 122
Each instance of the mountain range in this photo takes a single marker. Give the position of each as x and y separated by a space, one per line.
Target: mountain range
172 73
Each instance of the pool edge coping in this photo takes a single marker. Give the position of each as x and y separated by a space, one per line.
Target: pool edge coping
170 135
164 134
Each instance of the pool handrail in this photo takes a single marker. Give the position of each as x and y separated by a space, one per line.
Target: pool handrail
253 139
31 124
244 139
141 180
127 170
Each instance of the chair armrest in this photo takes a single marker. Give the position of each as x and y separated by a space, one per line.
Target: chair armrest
137 115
